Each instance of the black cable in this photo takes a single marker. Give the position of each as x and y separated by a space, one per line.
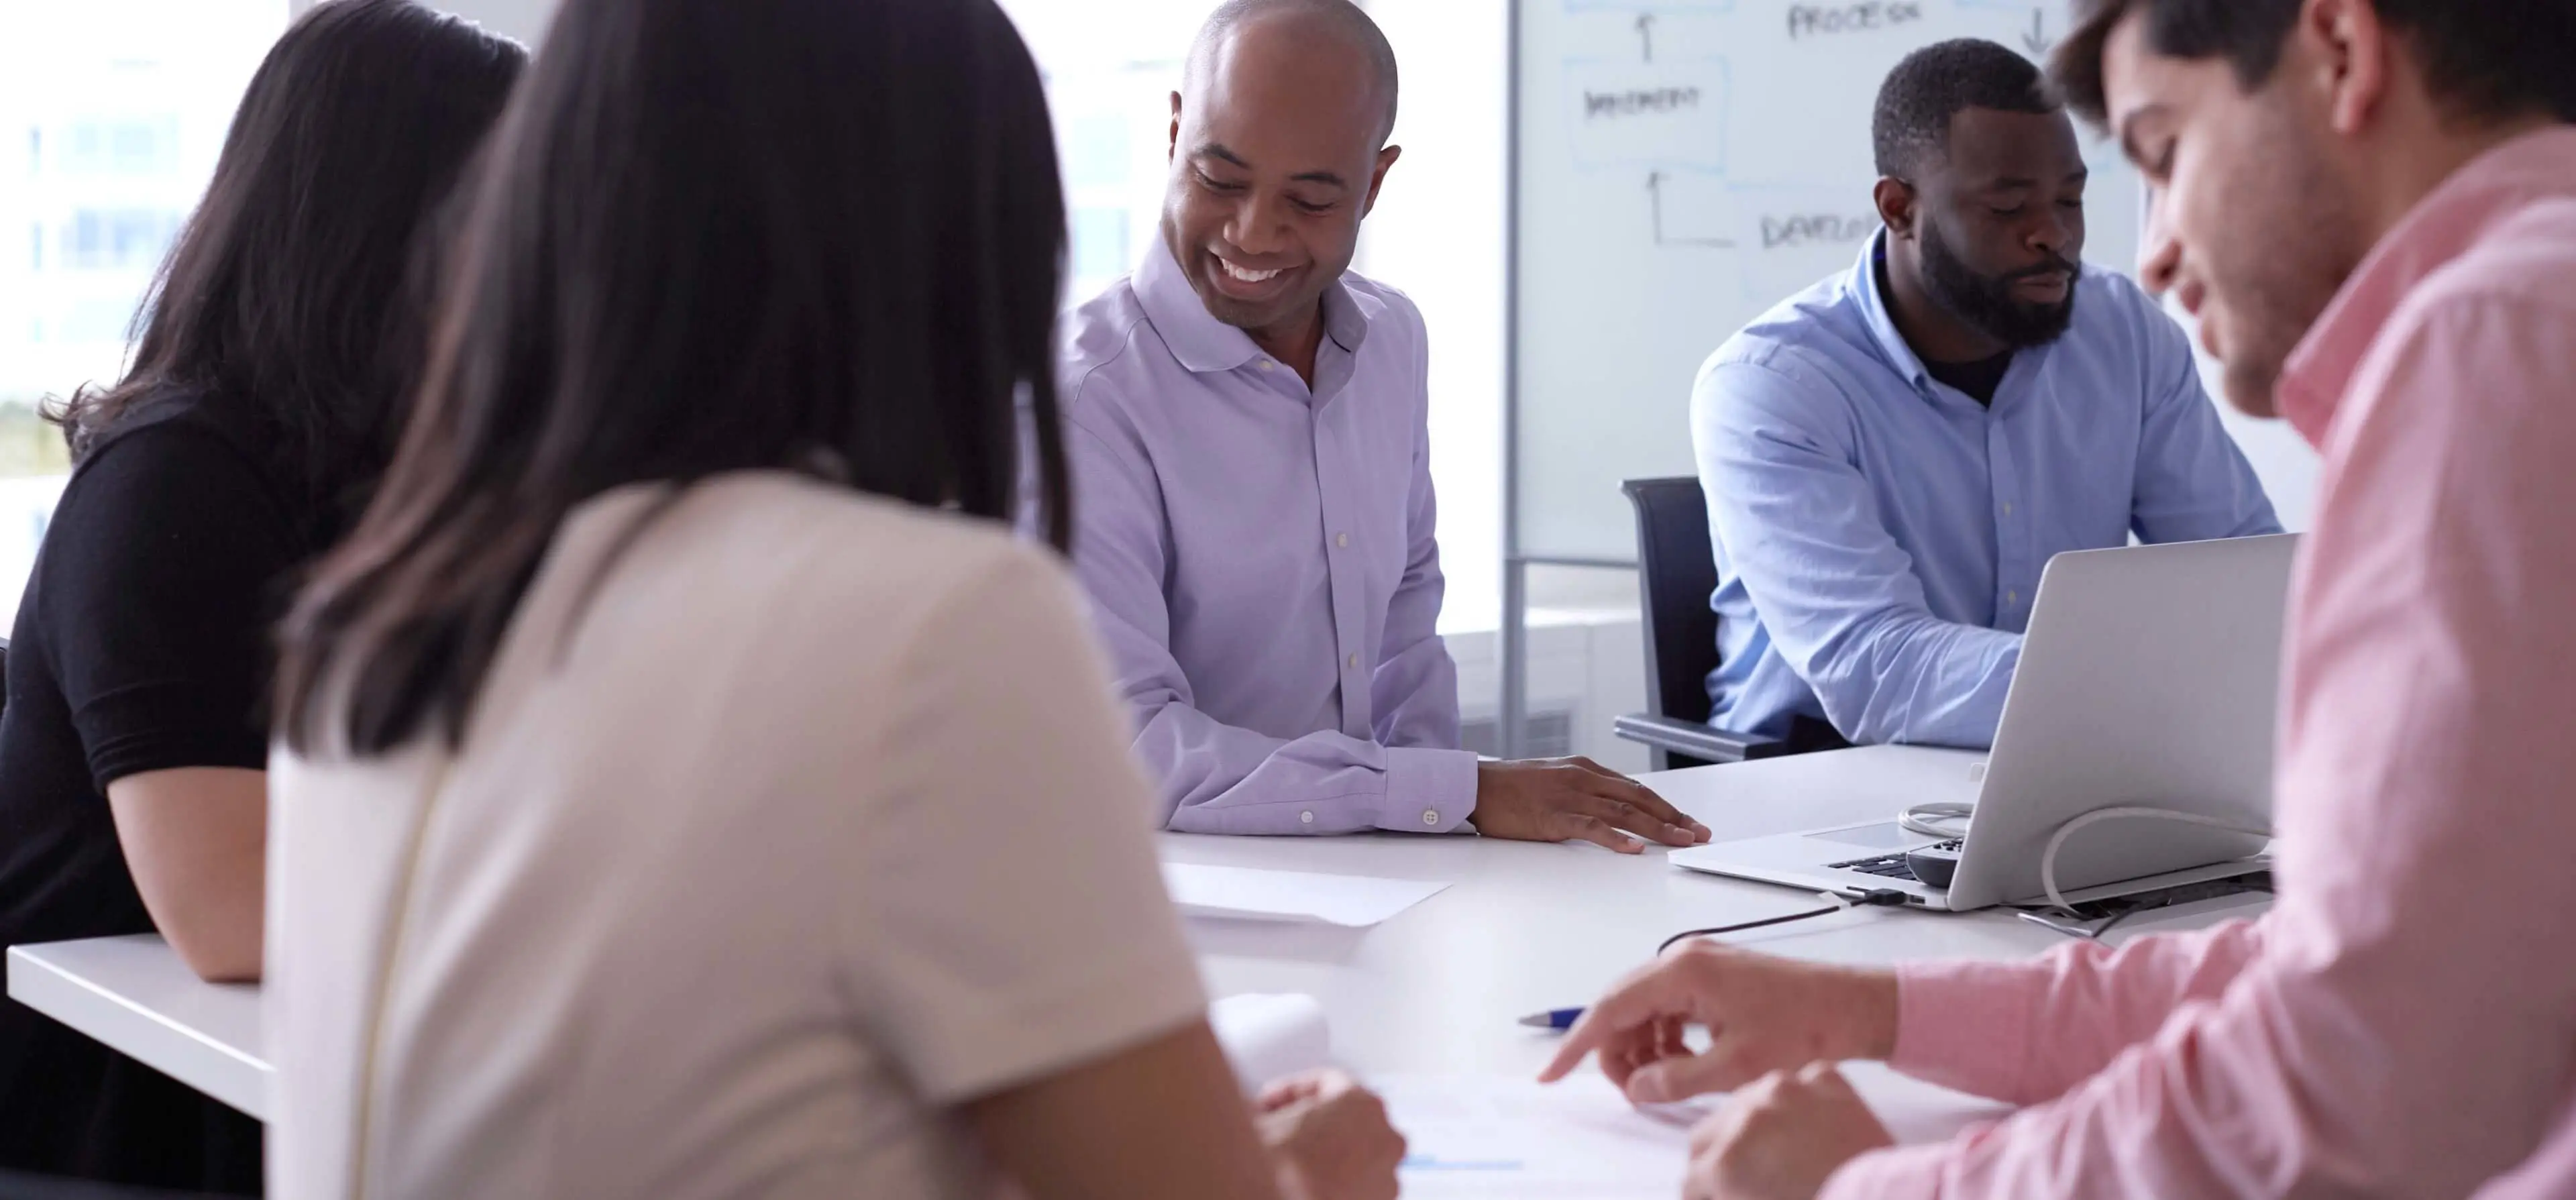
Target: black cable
1880 898
2116 918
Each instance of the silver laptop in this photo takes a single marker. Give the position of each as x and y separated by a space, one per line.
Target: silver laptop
2148 678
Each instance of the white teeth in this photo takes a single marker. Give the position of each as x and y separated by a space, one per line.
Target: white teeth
1234 272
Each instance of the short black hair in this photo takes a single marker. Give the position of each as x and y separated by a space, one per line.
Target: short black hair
1912 125
1347 18
2484 58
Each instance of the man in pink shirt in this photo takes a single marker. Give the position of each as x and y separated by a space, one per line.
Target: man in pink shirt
2371 204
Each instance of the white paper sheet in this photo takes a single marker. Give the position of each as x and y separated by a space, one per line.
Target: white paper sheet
1267 1037
1246 894
1505 1138
1500 1138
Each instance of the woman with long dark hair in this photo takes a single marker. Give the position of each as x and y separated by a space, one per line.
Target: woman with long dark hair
691 788
264 395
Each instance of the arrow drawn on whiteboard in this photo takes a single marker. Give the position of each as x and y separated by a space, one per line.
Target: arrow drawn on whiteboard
1655 190
1646 33
2037 39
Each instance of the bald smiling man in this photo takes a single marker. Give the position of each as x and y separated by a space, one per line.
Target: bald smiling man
1246 423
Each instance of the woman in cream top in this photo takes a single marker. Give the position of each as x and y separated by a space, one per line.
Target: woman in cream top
686 786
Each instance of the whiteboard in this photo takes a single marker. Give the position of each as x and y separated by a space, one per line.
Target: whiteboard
1682 166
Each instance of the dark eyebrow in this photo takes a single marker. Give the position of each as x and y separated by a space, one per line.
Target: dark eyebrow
1217 150
2017 183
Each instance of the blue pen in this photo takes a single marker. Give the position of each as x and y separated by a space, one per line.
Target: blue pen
1555 1018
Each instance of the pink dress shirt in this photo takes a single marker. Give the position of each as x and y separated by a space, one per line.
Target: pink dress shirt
2403 1022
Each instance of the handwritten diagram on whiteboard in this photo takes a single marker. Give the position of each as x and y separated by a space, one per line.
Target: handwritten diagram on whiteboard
1683 166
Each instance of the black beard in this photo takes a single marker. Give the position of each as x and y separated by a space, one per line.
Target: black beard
1987 304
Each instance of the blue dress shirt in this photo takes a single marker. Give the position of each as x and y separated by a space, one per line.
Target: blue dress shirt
1880 534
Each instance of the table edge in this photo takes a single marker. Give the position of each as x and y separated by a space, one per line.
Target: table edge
186 1054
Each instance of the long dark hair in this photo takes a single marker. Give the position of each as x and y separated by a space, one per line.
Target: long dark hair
293 293
714 235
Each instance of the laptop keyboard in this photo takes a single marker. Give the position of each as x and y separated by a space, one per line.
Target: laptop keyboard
1890 867
1887 866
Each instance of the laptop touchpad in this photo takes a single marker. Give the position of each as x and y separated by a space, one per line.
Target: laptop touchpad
1885 835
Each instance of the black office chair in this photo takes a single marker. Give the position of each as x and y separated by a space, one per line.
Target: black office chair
1679 575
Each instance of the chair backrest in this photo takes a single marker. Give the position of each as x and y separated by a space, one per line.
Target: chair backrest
1679 576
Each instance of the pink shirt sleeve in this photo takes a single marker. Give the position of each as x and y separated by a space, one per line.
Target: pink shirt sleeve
2024 1032
2404 1022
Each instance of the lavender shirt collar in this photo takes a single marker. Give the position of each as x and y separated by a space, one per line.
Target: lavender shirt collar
1204 344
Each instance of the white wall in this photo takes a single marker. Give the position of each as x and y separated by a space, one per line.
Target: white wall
1437 234
524 20
1586 663
2288 466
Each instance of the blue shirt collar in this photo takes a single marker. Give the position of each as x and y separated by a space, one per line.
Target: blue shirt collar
1882 324
1864 290
1202 343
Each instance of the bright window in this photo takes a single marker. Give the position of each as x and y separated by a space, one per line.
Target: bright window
111 115
1111 67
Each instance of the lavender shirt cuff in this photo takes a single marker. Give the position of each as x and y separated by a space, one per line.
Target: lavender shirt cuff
1428 791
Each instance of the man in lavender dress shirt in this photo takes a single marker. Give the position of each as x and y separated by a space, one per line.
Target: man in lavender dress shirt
1254 515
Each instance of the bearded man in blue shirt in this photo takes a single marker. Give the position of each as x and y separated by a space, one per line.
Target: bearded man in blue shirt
1892 456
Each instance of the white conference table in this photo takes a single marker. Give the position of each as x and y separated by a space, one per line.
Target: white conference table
134 994
1529 927
1436 990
